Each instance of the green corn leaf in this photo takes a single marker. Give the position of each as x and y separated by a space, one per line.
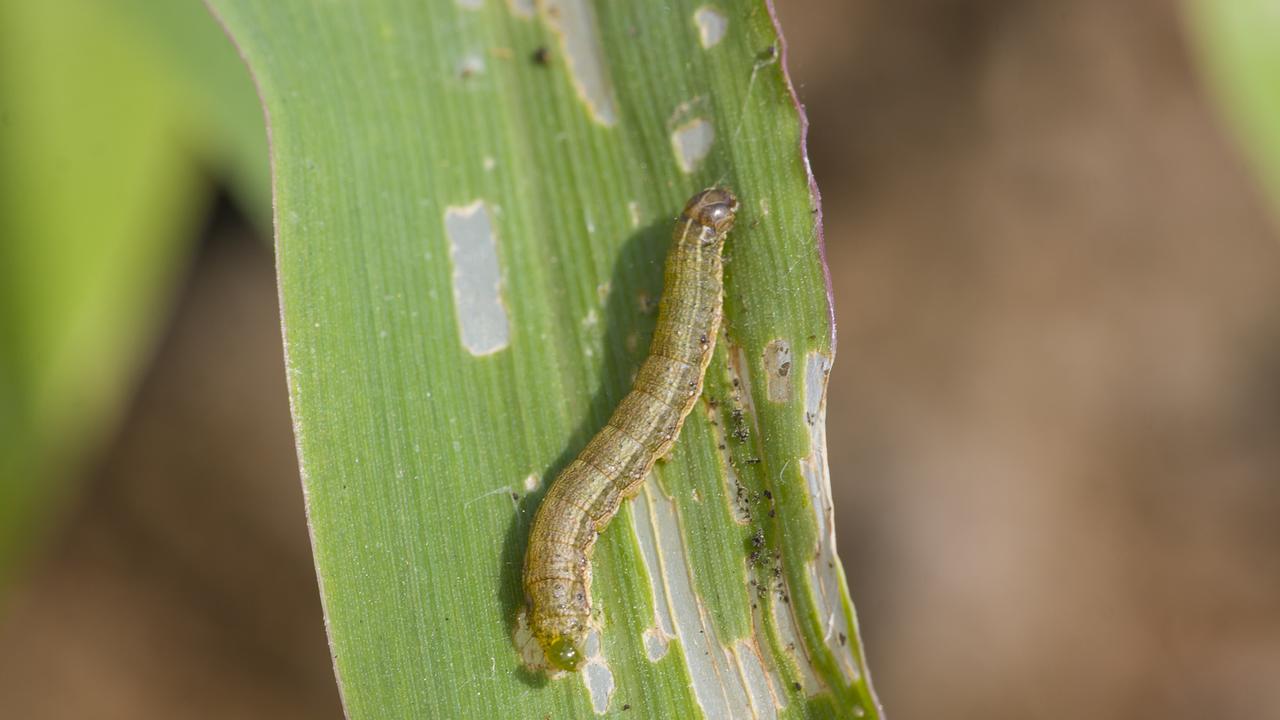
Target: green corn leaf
473 200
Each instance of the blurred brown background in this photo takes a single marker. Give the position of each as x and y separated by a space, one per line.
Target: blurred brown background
1053 417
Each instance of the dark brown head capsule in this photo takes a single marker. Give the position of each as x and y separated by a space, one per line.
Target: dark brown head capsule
713 208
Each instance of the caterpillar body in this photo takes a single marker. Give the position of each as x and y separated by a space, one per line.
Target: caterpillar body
585 496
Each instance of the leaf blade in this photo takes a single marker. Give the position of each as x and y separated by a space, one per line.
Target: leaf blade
388 117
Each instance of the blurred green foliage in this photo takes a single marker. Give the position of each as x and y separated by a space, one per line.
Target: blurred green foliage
115 117
1239 42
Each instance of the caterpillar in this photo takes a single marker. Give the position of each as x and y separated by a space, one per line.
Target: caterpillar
585 496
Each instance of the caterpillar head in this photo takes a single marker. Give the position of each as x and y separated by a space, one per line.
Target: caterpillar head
713 208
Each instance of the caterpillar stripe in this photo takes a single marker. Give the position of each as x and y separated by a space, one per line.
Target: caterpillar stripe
587 493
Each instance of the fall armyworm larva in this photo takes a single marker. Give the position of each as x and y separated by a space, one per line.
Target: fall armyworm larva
587 493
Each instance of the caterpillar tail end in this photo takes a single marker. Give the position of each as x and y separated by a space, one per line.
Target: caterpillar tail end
551 647
563 653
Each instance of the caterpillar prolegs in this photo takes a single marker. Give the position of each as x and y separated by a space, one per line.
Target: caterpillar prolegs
586 495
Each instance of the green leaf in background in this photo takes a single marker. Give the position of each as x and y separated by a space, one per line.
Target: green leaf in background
473 201
105 144
1239 42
